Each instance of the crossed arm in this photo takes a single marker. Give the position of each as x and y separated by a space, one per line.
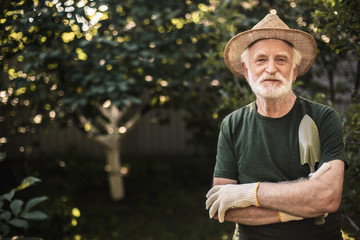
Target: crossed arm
304 198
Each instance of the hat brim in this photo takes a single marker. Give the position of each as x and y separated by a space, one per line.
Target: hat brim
302 41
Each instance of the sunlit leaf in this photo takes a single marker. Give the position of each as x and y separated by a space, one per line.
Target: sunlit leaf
28 182
75 212
68 36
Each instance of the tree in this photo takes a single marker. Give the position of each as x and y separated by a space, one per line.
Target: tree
231 17
17 215
336 26
98 65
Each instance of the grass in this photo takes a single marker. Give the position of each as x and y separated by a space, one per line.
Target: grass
165 198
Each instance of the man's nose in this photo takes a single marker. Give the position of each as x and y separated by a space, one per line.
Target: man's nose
271 67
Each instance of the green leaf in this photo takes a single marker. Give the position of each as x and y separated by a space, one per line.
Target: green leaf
84 43
8 196
27 182
16 206
34 201
4 230
35 215
19 223
2 156
173 14
106 41
5 216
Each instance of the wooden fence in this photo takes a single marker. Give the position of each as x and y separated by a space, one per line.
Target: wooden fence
146 138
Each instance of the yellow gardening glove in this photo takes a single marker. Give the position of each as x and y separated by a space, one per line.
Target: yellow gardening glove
223 197
284 217
323 169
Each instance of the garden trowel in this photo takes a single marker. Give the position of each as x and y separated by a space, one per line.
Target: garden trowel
309 143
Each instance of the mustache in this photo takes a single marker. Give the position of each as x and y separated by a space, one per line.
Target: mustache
276 76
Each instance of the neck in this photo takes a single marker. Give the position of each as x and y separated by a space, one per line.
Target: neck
275 108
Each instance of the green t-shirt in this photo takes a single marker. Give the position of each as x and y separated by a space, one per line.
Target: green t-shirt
254 148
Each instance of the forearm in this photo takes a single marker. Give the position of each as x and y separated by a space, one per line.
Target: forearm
307 198
252 216
295 198
303 198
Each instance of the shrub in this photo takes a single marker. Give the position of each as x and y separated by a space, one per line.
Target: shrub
15 213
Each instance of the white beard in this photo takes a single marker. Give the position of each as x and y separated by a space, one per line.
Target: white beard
270 90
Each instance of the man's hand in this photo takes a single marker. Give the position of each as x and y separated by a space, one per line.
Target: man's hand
223 197
323 169
284 217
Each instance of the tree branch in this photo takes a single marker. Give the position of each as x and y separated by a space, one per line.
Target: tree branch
133 120
236 79
357 82
352 223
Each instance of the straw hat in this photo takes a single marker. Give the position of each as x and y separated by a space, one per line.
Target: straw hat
270 27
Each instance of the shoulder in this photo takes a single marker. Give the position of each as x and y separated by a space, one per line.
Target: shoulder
318 111
237 119
239 114
326 118
314 105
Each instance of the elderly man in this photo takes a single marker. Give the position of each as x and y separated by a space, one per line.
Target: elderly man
268 151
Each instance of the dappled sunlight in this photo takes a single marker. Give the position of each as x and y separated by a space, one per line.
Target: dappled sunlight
111 73
123 171
106 104
122 130
62 164
38 118
226 237
77 237
75 212
345 236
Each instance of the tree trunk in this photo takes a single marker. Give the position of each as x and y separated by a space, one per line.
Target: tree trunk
111 143
116 183
332 85
355 93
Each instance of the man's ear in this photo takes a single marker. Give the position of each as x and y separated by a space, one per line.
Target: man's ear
296 71
245 70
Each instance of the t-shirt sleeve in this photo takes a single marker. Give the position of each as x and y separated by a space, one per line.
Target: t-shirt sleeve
225 166
331 138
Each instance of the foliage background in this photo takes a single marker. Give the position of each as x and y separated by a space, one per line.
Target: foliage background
65 63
